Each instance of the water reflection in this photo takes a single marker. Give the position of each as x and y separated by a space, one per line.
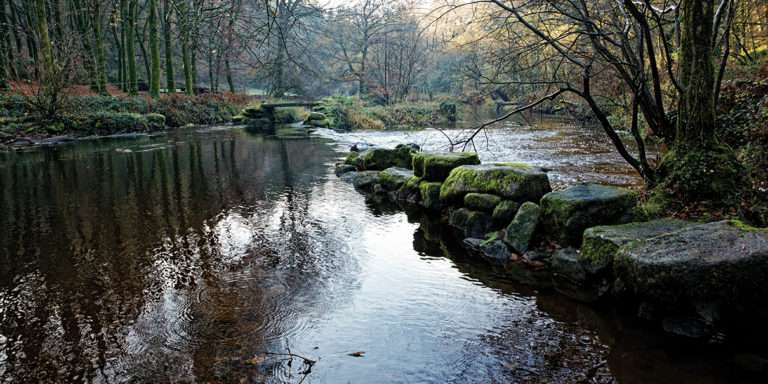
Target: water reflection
187 257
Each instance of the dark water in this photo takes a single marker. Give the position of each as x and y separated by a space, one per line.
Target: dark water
203 256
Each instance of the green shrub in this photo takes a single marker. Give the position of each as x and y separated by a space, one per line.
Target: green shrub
13 106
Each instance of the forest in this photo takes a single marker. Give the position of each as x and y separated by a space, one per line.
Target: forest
253 167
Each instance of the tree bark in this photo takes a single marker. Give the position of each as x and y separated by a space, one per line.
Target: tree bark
47 65
169 77
154 51
5 69
696 109
133 88
100 64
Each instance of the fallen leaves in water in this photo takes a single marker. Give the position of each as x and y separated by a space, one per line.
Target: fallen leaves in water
357 354
256 360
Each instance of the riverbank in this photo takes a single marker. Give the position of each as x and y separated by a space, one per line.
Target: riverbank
23 121
593 243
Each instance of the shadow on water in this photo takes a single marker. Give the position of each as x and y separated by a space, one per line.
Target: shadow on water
187 257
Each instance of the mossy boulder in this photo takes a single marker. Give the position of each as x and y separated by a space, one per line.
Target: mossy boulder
470 223
719 265
436 166
382 158
316 116
254 112
481 201
504 212
393 178
516 182
155 121
492 250
430 195
601 243
409 192
354 159
342 168
519 232
567 213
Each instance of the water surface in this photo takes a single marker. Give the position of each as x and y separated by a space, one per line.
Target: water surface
215 255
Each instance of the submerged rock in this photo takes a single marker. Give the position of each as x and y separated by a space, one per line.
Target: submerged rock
481 201
470 223
715 265
504 212
570 278
430 195
393 178
567 213
436 166
518 182
520 231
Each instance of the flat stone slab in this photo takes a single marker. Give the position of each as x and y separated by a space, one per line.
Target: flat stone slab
393 178
723 263
601 243
518 182
567 213
436 166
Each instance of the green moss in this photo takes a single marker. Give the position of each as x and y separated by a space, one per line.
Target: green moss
436 166
516 183
746 227
493 236
481 201
430 194
692 175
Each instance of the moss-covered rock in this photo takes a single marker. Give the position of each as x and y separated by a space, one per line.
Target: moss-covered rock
383 158
570 278
601 243
342 168
436 166
316 116
511 181
353 158
409 191
254 112
481 201
567 213
520 231
714 265
470 223
492 250
430 195
155 121
393 178
504 212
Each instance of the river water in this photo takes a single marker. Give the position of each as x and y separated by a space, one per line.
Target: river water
217 255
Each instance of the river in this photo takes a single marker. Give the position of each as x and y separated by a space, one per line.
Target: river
216 255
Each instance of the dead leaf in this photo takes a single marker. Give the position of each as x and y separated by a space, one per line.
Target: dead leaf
256 360
357 354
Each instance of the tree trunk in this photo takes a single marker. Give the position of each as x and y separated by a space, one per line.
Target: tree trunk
4 48
228 69
46 49
124 29
133 88
154 51
100 64
169 79
696 109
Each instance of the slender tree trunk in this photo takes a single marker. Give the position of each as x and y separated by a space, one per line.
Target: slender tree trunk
47 64
131 48
101 55
228 69
124 29
15 58
5 68
186 59
169 78
32 46
154 50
